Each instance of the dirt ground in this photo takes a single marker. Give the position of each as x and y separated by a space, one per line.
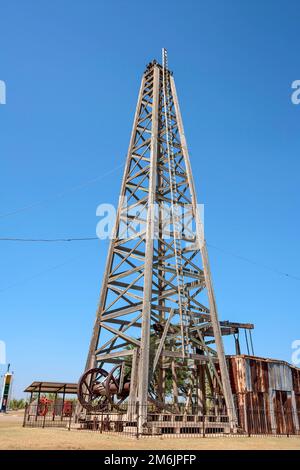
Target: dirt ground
14 436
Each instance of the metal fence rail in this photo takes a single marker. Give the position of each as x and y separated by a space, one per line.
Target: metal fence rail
50 415
170 423
165 423
136 421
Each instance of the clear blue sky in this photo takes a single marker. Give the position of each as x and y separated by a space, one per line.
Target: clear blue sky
72 70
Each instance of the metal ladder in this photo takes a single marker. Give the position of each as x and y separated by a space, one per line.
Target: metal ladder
182 299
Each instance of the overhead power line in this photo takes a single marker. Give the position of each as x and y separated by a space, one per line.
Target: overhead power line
63 193
261 265
79 239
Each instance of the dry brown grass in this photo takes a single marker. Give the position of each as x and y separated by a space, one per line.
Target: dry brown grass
14 436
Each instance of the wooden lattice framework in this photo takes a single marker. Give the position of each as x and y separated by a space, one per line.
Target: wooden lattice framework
157 312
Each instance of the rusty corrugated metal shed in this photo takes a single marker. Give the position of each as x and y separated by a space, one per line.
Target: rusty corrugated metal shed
267 394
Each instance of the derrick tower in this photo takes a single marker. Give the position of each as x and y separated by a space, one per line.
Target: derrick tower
157 339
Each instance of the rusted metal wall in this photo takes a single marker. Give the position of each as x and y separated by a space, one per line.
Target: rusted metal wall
296 379
267 394
280 377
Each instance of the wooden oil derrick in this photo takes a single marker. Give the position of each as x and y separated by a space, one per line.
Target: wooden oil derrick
157 339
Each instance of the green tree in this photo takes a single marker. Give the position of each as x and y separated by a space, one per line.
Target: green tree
16 404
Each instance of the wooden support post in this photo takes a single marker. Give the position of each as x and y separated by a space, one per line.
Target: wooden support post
38 403
63 403
147 299
175 384
54 407
201 389
133 385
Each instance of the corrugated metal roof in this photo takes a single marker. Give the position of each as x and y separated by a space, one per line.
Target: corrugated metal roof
267 359
52 387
